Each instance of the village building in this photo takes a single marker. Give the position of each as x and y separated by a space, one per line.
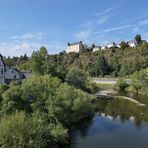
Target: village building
8 75
132 43
112 45
96 48
75 47
103 47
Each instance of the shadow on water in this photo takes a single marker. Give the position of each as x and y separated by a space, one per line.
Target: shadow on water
79 129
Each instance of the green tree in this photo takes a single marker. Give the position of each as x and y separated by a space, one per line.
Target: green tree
102 66
138 38
20 130
123 45
3 88
39 61
77 78
37 89
12 101
136 82
122 85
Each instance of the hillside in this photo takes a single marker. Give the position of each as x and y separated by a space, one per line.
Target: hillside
111 62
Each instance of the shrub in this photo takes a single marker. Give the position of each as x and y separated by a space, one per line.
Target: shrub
122 85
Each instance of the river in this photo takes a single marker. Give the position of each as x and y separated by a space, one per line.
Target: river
117 123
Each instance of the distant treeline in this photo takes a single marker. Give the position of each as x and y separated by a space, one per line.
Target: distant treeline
111 62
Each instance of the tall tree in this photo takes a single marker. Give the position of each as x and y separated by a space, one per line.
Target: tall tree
102 66
138 38
39 61
123 45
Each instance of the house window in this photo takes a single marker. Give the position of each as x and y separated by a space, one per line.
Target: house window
12 71
14 76
2 71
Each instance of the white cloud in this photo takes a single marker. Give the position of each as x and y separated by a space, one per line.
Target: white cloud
17 49
136 29
88 28
143 22
116 28
29 42
135 19
106 11
12 49
102 20
83 34
87 24
29 36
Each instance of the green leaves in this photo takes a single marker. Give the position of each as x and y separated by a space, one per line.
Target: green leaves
20 130
139 79
38 112
77 78
122 85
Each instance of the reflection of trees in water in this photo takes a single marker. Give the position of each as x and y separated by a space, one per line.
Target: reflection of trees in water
123 109
82 127
78 129
116 108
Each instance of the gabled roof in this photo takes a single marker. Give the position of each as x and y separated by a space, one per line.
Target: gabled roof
75 43
18 71
14 68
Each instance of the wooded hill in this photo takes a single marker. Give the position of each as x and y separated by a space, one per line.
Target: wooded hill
111 62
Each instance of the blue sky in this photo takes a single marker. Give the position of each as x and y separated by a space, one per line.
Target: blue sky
25 25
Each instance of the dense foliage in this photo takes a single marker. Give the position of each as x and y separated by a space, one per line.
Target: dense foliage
38 112
138 82
112 62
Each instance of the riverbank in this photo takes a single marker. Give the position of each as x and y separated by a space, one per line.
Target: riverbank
110 94
112 83
130 99
109 81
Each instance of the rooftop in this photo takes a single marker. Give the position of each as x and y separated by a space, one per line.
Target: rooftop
75 43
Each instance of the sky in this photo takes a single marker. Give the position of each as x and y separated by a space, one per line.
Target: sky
26 25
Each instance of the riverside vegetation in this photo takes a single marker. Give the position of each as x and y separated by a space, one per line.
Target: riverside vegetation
39 112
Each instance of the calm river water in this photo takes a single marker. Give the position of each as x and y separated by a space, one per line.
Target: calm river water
116 124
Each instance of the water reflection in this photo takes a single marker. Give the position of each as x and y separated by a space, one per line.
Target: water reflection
123 109
117 123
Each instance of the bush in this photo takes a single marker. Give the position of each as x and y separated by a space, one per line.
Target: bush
20 130
122 85
12 101
77 78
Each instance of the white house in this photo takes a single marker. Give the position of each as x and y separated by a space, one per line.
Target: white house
104 47
132 43
75 47
13 74
112 45
9 74
96 48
